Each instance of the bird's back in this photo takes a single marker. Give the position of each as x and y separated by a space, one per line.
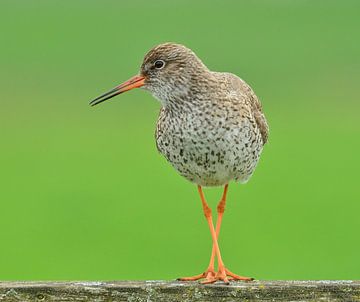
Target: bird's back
241 94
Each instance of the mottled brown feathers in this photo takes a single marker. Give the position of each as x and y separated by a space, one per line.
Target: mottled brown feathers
211 127
256 106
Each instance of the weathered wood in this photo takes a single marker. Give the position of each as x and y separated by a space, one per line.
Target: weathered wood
169 291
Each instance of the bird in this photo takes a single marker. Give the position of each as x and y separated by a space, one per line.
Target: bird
211 128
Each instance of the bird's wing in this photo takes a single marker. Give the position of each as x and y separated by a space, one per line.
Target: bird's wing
260 117
256 108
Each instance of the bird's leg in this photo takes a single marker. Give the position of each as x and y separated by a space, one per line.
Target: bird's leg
220 212
222 271
209 274
221 274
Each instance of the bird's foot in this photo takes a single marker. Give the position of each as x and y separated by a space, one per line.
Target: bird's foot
209 274
226 276
223 274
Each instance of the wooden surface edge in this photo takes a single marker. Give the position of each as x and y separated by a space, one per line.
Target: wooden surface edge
169 291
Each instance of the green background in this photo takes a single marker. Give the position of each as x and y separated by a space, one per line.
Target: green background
84 193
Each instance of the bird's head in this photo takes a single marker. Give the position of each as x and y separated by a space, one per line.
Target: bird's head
168 71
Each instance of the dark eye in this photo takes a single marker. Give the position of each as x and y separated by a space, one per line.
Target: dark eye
159 64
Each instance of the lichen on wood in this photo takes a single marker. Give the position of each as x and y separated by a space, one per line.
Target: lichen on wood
171 291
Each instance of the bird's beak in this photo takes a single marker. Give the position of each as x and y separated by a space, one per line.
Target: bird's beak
134 82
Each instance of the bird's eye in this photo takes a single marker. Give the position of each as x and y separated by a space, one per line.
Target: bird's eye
159 64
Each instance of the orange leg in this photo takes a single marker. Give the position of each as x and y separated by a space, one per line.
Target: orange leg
208 216
220 212
210 275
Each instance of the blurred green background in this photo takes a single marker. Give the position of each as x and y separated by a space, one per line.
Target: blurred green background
85 194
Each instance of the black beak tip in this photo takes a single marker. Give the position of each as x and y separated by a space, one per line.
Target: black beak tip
92 103
104 97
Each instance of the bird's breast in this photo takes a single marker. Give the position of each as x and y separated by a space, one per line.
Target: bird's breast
208 149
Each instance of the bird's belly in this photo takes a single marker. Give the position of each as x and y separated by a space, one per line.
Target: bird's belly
211 158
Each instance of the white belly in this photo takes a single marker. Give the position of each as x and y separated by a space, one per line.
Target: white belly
211 157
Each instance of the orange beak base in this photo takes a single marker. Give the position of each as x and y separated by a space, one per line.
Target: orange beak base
134 82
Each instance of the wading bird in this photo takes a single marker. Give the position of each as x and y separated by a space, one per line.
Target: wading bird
211 128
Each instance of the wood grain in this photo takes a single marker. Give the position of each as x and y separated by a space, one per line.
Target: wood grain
169 291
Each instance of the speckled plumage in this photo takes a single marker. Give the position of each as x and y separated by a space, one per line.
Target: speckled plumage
211 127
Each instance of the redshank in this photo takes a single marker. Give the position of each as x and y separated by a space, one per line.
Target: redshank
211 128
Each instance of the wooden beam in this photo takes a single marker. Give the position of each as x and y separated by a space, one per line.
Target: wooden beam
171 291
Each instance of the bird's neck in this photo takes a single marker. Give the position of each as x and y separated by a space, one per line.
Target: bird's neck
190 94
